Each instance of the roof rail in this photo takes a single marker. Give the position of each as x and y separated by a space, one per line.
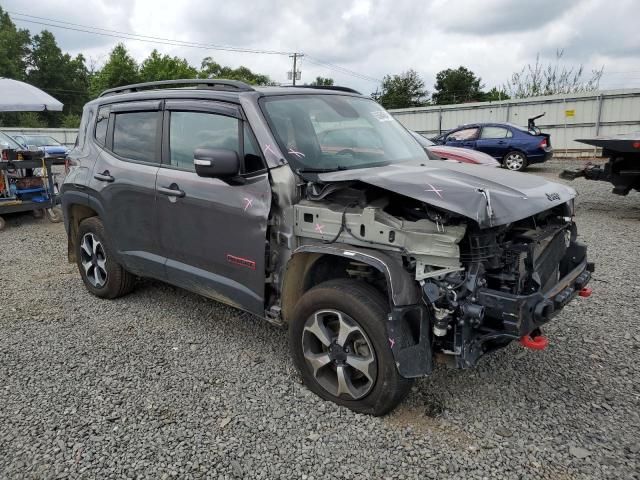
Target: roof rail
326 87
197 82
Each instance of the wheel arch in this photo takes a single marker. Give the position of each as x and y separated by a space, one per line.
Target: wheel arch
74 214
315 263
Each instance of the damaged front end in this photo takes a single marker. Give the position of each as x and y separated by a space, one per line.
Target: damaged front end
475 287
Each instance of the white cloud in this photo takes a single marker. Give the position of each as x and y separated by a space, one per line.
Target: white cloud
493 38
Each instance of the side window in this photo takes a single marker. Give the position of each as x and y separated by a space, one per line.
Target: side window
252 158
134 135
495 132
191 130
465 134
102 122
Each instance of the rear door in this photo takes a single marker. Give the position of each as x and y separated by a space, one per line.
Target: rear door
213 231
123 183
494 141
464 138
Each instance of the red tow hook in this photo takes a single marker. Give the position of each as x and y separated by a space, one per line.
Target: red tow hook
585 292
537 342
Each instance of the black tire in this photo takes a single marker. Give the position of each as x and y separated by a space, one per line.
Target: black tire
369 309
515 161
38 213
118 281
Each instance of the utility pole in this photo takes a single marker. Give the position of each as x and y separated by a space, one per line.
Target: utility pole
294 73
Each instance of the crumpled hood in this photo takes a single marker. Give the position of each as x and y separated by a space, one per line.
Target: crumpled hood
490 196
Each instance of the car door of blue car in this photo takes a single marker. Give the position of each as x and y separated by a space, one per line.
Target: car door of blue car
464 138
494 140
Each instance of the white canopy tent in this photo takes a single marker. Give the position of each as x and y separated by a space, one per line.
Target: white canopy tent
16 96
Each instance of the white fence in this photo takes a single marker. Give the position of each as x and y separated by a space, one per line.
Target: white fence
568 117
66 136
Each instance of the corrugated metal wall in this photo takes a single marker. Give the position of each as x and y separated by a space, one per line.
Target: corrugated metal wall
568 117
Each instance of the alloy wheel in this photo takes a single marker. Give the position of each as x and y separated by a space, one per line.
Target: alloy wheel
514 161
93 259
339 354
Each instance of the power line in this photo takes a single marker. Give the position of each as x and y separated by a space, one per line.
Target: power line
64 25
141 38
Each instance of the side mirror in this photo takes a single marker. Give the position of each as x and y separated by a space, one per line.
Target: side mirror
216 162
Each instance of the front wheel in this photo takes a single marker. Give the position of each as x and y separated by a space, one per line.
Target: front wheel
515 161
339 343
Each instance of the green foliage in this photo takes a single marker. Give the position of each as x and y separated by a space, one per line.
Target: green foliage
457 86
71 120
551 79
120 69
402 91
31 120
321 81
495 95
163 67
14 48
58 74
212 69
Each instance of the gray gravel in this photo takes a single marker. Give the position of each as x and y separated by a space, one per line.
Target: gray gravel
165 384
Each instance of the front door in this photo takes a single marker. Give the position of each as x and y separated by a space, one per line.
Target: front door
124 181
213 231
464 138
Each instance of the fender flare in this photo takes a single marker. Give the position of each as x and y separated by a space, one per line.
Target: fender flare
401 285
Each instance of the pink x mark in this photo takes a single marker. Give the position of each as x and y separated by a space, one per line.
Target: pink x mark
392 342
247 203
267 148
319 228
434 190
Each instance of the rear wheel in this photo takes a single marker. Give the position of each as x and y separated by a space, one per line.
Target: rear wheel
515 161
102 275
339 343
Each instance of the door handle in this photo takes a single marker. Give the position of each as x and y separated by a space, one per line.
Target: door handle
172 191
104 176
501 142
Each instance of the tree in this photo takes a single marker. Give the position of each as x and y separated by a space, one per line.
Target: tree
551 79
163 67
402 91
59 75
495 95
321 81
14 48
120 69
212 69
457 86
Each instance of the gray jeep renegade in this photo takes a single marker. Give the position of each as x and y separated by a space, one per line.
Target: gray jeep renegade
315 209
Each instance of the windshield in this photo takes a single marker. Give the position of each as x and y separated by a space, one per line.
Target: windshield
331 132
40 141
7 142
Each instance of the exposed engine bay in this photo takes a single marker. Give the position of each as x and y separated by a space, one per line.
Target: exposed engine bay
480 288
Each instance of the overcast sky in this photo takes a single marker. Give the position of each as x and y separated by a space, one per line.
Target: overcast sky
373 37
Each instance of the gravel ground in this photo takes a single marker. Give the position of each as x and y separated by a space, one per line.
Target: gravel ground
166 384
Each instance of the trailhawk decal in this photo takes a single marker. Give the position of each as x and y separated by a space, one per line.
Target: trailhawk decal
242 262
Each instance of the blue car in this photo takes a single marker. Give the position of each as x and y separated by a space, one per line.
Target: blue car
513 146
49 145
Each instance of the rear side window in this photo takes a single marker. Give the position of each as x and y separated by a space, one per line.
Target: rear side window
495 132
102 122
135 135
191 130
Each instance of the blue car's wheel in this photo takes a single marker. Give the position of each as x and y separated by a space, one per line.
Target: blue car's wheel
515 161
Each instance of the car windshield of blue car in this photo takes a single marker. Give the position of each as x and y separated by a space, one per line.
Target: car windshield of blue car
7 142
337 132
41 141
